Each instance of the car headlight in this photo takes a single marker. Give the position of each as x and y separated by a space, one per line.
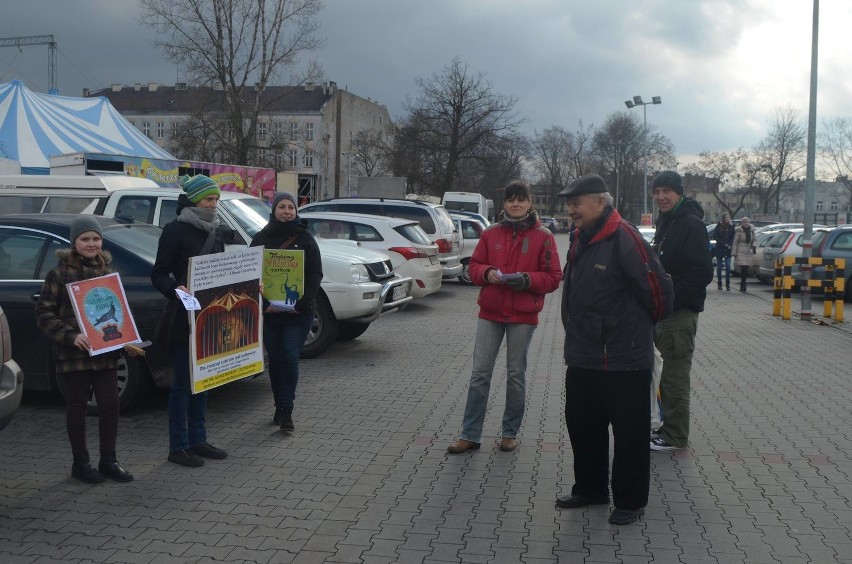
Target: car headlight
359 273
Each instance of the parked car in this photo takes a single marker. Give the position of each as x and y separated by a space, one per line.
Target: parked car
358 284
411 252
11 375
551 223
760 247
784 243
433 218
779 226
836 244
28 245
647 232
478 216
470 230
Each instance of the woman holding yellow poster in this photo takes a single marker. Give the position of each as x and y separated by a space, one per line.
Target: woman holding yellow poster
292 272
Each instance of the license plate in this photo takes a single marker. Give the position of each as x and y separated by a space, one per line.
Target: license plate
399 292
434 259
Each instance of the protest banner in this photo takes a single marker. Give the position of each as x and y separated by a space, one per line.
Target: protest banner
101 309
226 332
283 278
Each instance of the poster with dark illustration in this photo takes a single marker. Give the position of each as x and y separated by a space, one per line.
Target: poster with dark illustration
226 341
283 278
102 313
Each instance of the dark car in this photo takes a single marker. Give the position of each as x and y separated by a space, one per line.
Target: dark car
836 244
28 245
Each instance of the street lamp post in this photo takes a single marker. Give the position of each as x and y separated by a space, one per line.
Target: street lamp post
348 173
637 101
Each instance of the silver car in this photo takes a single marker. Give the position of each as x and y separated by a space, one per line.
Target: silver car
11 376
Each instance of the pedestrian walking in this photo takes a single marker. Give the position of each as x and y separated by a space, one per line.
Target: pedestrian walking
82 373
516 263
745 247
614 291
683 246
723 234
195 232
284 333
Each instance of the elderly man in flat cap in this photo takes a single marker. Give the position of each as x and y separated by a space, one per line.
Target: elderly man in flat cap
614 291
683 246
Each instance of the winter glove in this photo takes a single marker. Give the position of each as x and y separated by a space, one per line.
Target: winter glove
518 281
303 306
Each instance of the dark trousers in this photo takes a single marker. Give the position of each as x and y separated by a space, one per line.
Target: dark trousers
284 343
594 400
743 276
187 427
104 384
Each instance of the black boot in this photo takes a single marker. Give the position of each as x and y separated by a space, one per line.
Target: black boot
720 285
109 467
83 470
287 419
276 419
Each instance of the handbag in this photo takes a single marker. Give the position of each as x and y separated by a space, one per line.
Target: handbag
163 332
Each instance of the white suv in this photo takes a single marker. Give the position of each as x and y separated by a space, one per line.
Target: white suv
433 219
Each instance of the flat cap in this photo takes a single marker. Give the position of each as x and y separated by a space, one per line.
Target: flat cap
588 184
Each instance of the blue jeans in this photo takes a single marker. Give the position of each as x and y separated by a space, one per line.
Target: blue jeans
489 337
727 264
284 346
186 410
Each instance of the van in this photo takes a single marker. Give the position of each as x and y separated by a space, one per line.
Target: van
469 202
32 193
433 219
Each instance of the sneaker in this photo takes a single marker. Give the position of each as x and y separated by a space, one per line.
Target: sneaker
625 516
662 444
185 458
462 445
209 451
656 432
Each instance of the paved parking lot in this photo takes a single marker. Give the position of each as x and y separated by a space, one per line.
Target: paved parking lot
365 477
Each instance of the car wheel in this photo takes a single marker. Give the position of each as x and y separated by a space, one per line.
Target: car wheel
323 331
464 277
134 384
349 331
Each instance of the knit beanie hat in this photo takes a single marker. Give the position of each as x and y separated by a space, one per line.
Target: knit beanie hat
199 187
670 179
284 196
82 224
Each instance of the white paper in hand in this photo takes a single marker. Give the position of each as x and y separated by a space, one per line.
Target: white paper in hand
188 300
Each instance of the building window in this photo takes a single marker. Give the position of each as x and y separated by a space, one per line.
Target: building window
161 129
261 131
146 129
309 131
833 206
261 156
294 131
294 158
174 130
279 159
280 129
819 206
309 159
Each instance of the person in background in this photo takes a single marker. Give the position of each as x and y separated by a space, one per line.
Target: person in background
683 246
745 247
614 291
195 232
81 372
516 263
723 234
284 333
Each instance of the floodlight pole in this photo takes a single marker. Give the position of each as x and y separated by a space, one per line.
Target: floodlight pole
637 101
807 244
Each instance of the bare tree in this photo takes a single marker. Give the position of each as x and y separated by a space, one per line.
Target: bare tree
835 143
456 118
725 167
552 152
370 148
782 154
242 46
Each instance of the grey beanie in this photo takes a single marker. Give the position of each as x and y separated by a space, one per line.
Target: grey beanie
671 179
284 196
82 224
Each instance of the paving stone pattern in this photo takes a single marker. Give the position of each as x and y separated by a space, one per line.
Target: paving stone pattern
365 477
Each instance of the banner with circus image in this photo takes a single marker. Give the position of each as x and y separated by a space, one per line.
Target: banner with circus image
102 313
226 340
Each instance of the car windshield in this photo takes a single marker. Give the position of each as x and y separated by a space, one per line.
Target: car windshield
251 213
414 233
140 238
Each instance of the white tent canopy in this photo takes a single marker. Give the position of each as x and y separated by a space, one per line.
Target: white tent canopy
35 126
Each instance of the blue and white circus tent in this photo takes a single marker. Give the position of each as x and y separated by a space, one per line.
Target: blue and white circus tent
35 126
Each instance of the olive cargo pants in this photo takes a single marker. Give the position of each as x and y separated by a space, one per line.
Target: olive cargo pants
675 339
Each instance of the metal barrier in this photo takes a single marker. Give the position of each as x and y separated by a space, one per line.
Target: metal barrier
834 285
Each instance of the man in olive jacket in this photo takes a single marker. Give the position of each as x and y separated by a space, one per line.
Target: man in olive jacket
683 246
614 291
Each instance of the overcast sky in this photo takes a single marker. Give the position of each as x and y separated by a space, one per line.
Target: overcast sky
720 66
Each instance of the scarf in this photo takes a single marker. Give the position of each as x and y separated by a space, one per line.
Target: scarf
201 218
526 222
748 233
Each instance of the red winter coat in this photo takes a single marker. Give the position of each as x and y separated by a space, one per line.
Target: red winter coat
509 249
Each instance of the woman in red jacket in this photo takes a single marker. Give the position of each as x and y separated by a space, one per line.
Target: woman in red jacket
516 263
